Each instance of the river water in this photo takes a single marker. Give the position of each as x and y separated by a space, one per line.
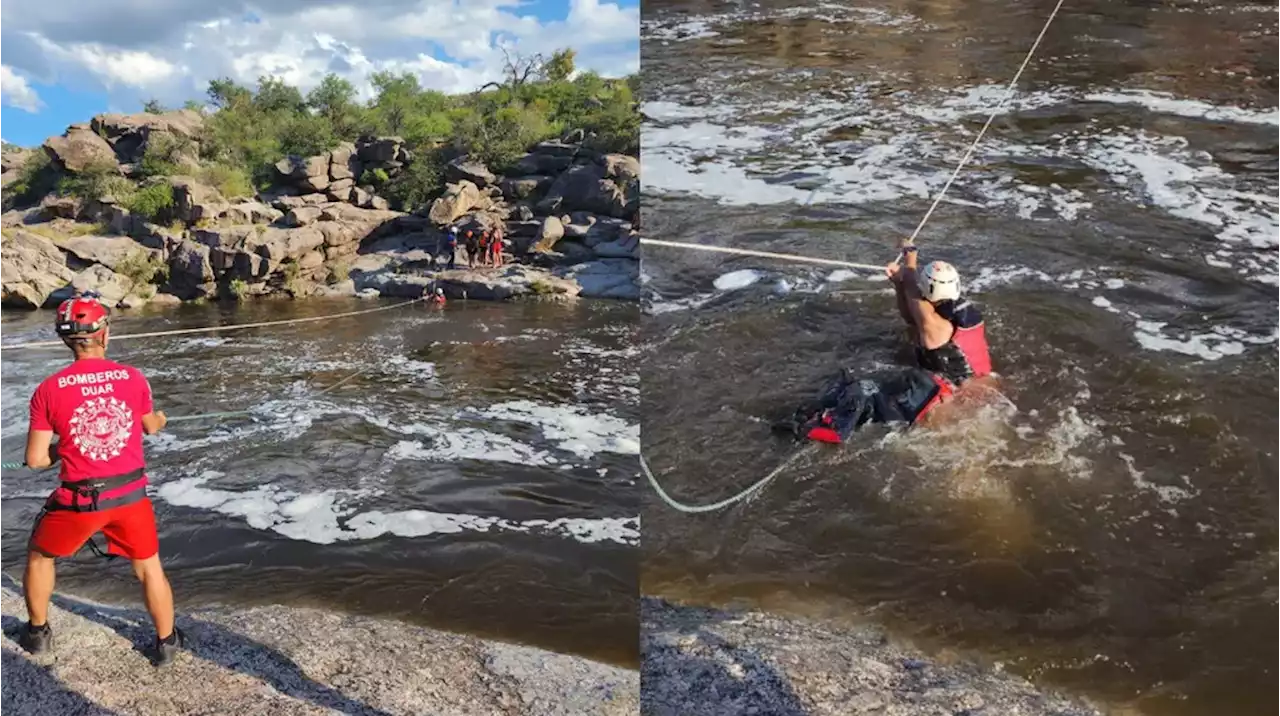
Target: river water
1109 524
479 475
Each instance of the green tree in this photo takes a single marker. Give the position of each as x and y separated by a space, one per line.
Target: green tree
335 100
153 106
275 95
224 93
559 66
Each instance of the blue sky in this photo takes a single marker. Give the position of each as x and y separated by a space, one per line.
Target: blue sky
64 61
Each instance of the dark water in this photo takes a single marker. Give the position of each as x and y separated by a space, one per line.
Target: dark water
478 476
1109 525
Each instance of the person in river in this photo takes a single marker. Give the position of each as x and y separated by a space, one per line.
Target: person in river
99 410
950 342
438 299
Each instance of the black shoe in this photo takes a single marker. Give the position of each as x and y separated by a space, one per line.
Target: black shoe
36 641
166 649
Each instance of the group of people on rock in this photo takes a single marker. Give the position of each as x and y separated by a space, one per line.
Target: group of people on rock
482 245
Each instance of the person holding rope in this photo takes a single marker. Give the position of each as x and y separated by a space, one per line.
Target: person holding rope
99 410
950 342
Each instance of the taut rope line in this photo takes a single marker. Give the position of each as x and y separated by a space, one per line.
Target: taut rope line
762 254
232 327
804 259
1008 94
225 414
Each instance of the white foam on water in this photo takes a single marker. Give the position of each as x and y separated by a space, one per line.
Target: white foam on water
1213 344
1165 103
735 280
331 516
657 305
683 31
573 428
409 366
453 444
1165 493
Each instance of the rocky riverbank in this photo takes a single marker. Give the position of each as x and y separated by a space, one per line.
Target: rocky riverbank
707 661
282 660
106 222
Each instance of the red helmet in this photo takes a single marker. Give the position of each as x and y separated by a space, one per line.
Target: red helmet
81 316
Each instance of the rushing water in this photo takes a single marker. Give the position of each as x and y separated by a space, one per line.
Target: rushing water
1111 526
478 475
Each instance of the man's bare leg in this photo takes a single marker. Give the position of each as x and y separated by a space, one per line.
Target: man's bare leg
37 587
156 593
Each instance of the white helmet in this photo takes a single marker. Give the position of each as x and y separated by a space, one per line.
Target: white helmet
939 281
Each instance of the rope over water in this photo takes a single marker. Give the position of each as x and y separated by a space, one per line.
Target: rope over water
228 413
232 327
1009 90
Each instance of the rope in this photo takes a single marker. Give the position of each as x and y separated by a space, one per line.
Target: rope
235 326
233 413
1008 93
756 487
762 254
226 414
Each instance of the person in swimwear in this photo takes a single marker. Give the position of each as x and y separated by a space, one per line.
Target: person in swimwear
950 342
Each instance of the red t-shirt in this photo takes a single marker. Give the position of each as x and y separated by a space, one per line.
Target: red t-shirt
95 407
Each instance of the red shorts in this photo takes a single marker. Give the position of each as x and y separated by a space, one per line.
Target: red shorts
130 531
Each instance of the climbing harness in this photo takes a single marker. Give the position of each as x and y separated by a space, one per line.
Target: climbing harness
1009 90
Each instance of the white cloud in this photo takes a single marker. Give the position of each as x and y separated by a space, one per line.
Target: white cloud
16 92
170 49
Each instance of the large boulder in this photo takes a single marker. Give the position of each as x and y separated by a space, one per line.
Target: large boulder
115 252
585 188
78 149
344 163
535 163
621 167
310 174
279 245
32 268
250 212
61 207
113 286
194 201
606 278
130 134
557 149
552 230
12 160
626 247
190 270
458 200
381 151
465 168
340 189
302 215
517 188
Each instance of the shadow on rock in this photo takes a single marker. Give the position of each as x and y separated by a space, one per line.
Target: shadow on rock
205 640
688 670
30 689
